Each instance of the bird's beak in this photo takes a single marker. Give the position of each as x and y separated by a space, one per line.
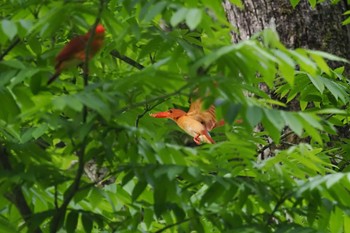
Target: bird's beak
160 115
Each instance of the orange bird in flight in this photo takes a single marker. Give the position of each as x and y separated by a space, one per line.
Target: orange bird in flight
196 122
73 53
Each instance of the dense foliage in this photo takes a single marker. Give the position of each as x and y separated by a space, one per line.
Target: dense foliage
291 174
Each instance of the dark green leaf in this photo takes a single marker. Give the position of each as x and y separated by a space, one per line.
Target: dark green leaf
87 222
72 221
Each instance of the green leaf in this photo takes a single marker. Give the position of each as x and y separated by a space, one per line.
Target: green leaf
294 3
39 131
178 17
35 45
318 82
311 119
333 179
14 64
94 102
327 55
72 221
231 112
333 111
336 90
214 192
138 189
293 121
9 109
336 220
286 66
254 115
6 226
321 63
213 56
155 10
274 116
9 28
313 3
237 3
26 24
306 64
193 18
346 223
87 223
274 132
346 22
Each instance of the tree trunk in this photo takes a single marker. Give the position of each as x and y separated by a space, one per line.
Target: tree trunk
320 28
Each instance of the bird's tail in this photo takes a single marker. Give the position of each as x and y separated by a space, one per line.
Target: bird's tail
53 77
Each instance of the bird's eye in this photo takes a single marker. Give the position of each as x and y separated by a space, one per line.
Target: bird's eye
170 111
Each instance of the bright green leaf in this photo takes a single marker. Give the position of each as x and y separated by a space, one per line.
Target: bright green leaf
193 18
9 28
178 17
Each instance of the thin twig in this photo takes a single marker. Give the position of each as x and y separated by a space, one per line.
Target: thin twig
147 109
172 225
142 103
127 59
277 206
272 143
11 46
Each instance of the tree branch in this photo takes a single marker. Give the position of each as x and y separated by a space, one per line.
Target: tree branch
172 225
58 217
70 192
127 60
272 143
147 109
277 206
11 46
87 52
16 195
178 91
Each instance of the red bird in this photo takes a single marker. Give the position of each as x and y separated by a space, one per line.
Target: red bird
196 122
73 53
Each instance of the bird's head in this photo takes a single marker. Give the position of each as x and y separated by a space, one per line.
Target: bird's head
99 33
173 114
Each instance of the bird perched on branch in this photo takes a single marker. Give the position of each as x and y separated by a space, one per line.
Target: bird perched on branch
196 122
74 53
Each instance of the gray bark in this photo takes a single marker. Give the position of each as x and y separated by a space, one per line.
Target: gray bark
320 28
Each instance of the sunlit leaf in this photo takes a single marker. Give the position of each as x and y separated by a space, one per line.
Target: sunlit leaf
9 28
178 17
193 18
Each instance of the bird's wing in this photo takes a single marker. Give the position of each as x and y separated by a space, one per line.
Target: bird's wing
206 117
74 49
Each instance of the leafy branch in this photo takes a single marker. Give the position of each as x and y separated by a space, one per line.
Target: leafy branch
16 195
58 217
147 109
11 46
166 96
